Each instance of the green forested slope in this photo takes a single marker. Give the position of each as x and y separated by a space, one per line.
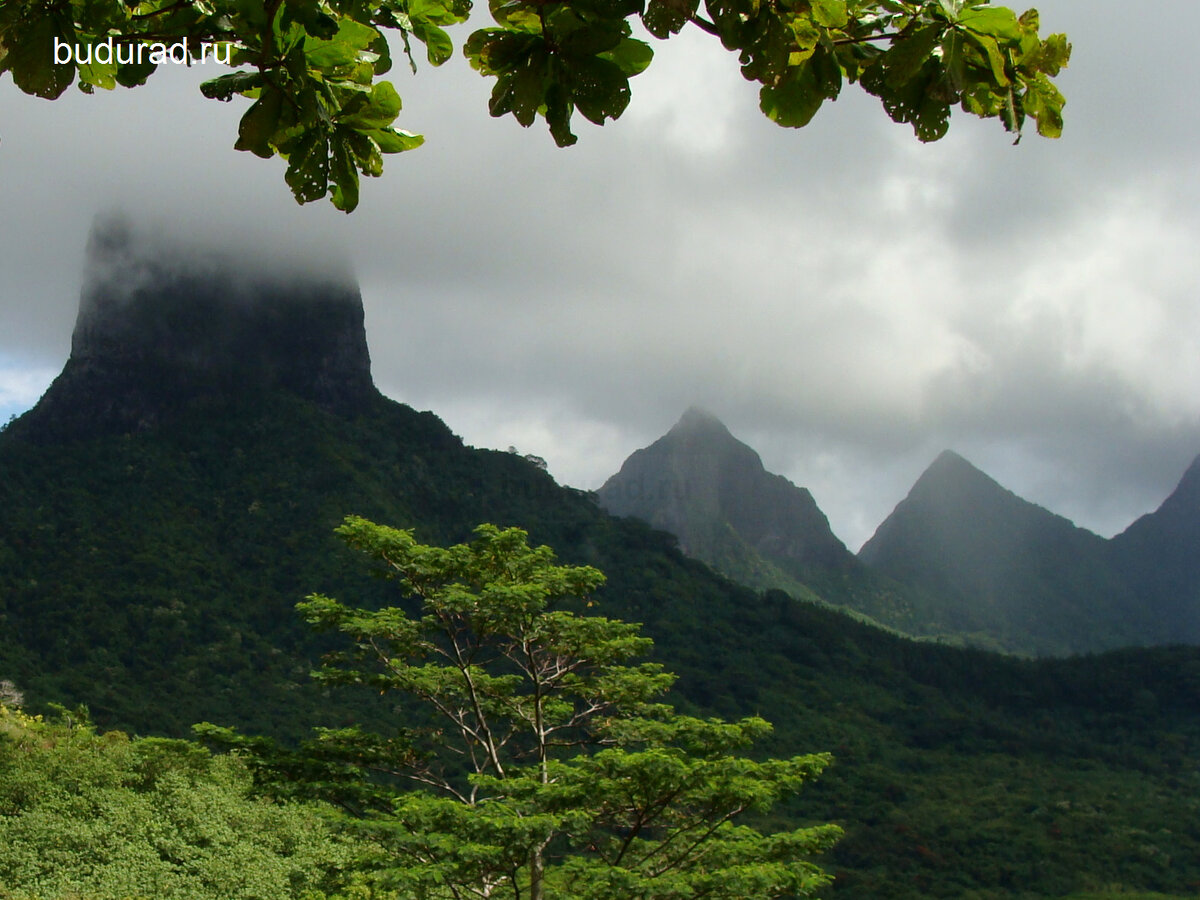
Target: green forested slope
152 575
997 570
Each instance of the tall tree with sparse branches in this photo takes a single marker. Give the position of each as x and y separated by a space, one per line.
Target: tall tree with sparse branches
537 759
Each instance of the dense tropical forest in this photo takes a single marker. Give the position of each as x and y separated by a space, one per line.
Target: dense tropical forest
955 771
168 504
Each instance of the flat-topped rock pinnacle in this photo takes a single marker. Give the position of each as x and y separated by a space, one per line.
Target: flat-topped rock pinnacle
160 325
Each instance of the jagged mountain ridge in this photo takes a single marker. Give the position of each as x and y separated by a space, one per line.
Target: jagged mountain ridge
1012 572
149 567
960 559
1000 567
1160 553
712 492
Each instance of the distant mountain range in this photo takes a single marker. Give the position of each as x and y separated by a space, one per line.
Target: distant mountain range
173 495
961 558
711 491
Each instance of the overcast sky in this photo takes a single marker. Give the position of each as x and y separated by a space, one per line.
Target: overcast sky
849 301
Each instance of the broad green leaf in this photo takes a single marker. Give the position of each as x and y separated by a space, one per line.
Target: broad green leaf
516 15
345 49
383 54
908 55
375 110
591 40
1051 56
134 74
996 21
600 90
308 165
492 51
393 140
993 53
440 12
438 46
667 17
830 13
261 123
917 102
317 21
954 63
795 100
31 55
631 56
558 115
1044 102
101 75
343 173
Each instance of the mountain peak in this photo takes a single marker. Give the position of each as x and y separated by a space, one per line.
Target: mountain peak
710 490
160 325
994 564
696 420
1189 484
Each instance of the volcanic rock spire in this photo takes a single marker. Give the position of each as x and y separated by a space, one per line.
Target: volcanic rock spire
162 325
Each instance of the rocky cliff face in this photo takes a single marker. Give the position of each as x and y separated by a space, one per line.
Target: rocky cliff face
1003 571
1160 553
709 489
161 326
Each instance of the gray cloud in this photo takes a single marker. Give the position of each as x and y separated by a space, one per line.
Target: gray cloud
849 301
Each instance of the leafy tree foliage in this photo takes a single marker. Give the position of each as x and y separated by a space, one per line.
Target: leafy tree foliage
311 67
154 577
105 817
538 762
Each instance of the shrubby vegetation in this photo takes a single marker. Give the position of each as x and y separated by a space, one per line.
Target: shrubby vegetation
956 772
108 817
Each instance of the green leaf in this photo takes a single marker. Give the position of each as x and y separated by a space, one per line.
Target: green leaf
101 75
1044 103
996 21
590 40
224 87
631 56
667 17
830 13
345 49
308 165
440 12
1051 56
795 100
30 56
599 89
261 124
558 115
317 21
378 109
343 173
438 46
995 57
516 15
393 140
908 55
918 102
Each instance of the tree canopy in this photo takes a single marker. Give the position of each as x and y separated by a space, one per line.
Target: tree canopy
533 758
312 68
109 817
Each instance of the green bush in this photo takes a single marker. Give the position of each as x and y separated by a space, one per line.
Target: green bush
87 816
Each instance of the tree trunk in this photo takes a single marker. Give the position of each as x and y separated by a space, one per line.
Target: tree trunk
537 873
